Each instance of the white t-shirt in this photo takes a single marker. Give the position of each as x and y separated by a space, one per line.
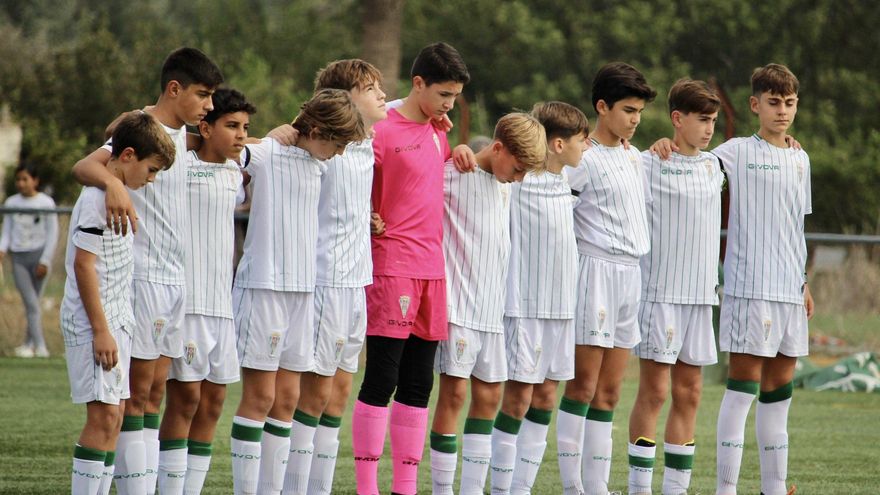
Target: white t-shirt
163 220
30 231
543 258
684 215
279 249
89 232
344 257
610 211
769 196
476 246
212 190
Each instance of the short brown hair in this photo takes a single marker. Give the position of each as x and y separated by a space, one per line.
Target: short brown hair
618 81
776 79
525 139
146 136
690 96
333 115
347 74
561 120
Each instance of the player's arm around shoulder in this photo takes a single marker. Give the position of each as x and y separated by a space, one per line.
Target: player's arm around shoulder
92 171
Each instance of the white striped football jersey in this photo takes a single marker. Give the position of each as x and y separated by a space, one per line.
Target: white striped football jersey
212 189
610 211
476 246
769 195
282 235
113 264
684 220
344 256
542 279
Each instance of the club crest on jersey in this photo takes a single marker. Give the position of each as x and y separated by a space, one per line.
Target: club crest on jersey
189 352
460 346
800 169
768 325
274 339
670 335
404 305
437 143
158 326
709 167
340 343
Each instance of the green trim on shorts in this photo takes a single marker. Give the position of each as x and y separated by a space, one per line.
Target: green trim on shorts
305 419
744 386
444 443
780 394
111 458
682 462
539 416
507 424
195 447
642 462
173 444
132 423
330 421
599 415
151 421
572 406
88 454
247 433
477 426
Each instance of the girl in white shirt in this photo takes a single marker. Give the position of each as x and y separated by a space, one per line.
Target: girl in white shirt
30 238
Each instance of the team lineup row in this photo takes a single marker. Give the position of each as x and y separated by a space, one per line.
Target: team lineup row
549 255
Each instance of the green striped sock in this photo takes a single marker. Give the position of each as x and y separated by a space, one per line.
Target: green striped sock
89 454
330 421
194 447
444 443
478 426
507 424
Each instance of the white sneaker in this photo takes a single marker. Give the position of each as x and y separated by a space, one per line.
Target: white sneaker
41 352
24 351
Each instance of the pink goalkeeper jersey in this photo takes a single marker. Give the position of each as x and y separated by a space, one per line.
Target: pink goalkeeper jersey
408 195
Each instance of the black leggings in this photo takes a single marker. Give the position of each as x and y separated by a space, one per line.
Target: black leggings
404 364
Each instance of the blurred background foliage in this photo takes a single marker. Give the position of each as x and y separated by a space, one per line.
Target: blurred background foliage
68 67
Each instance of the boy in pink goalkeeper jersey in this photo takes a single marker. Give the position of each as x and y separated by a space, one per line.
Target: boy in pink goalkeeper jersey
406 305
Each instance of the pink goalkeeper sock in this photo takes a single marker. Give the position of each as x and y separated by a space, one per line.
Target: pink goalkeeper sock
408 428
367 441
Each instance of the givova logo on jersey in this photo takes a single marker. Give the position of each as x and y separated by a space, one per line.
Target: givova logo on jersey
762 167
675 171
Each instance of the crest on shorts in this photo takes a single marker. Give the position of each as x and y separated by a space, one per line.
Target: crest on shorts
404 305
670 335
601 315
189 352
340 343
274 339
768 325
538 350
158 326
460 346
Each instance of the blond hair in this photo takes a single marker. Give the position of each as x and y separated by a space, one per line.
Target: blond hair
775 79
145 135
332 115
525 139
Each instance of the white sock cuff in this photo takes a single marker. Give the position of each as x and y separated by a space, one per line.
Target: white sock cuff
642 451
673 448
253 423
